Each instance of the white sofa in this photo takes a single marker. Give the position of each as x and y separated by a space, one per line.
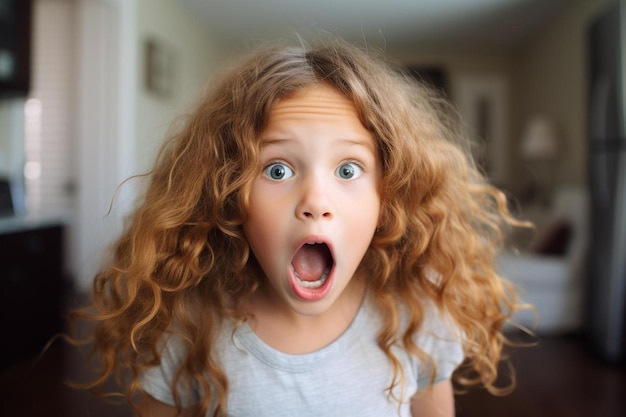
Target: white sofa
554 284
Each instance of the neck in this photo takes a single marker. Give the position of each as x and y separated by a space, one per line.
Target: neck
290 332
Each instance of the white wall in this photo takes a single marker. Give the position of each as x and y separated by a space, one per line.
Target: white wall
105 125
195 57
119 123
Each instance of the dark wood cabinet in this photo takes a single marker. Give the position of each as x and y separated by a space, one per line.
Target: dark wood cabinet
31 289
15 47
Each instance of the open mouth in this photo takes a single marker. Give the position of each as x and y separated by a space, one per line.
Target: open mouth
312 265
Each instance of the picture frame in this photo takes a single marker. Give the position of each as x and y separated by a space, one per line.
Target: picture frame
159 67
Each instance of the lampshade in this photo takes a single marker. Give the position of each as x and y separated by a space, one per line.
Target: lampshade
539 141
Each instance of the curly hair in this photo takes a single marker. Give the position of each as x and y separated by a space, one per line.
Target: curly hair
183 263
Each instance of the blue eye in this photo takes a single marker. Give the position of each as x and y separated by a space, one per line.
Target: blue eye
278 171
349 170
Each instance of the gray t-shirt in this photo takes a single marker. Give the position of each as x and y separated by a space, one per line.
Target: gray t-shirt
347 377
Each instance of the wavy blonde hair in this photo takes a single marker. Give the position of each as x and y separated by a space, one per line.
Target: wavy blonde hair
183 263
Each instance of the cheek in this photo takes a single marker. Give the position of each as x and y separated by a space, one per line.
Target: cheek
364 220
368 202
262 224
255 236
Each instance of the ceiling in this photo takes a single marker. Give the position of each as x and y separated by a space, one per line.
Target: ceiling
394 23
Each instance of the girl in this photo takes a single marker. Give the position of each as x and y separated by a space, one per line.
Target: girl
312 242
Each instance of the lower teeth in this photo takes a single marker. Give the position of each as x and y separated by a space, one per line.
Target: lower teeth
313 284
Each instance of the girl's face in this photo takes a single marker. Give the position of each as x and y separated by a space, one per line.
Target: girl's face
315 204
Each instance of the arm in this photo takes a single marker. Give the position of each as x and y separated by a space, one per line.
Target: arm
150 407
435 402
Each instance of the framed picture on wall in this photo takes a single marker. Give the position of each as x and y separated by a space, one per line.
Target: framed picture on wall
482 102
159 67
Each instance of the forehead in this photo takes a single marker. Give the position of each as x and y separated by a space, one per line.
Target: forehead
318 99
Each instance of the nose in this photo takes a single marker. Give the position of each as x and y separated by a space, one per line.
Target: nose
315 201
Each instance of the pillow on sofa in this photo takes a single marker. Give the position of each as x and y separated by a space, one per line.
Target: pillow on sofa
553 239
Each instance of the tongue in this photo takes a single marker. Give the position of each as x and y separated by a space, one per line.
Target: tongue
311 262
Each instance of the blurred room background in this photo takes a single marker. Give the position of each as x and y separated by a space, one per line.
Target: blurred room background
89 89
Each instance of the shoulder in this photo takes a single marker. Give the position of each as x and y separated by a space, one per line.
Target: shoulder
166 378
442 341
157 381
438 322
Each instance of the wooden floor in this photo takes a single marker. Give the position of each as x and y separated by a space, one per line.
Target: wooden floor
37 387
557 378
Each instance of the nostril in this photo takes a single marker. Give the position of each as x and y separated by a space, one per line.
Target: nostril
308 214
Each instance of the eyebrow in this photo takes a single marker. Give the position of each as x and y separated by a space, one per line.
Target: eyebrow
272 141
